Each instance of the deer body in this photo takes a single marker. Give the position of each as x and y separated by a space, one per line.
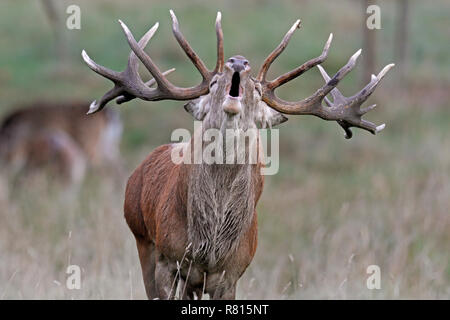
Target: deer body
162 197
60 137
196 223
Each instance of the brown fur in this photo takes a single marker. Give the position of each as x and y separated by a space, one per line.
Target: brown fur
155 210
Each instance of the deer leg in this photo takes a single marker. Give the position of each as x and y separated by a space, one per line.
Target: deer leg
165 278
147 257
190 292
224 292
221 288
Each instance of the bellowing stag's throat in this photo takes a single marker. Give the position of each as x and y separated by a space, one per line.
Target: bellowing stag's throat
221 203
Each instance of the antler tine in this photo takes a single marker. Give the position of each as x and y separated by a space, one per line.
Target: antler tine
261 77
95 106
187 48
220 53
330 85
303 68
133 64
362 96
146 60
335 93
350 108
101 70
142 44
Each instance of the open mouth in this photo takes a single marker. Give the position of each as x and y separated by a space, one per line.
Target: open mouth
235 88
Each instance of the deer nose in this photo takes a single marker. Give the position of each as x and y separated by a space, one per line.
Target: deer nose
238 63
238 66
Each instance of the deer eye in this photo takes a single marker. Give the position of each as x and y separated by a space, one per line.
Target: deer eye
245 63
212 83
231 60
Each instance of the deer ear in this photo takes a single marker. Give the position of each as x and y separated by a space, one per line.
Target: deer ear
277 118
269 117
198 108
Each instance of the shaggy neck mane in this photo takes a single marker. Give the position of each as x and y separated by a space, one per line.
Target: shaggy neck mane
220 208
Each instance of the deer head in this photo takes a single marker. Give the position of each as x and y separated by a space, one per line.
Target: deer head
233 100
229 96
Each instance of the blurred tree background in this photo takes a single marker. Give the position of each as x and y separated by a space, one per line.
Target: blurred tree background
335 207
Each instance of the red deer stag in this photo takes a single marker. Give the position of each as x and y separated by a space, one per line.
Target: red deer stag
59 137
197 222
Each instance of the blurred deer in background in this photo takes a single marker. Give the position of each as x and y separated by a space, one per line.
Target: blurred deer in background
197 222
59 137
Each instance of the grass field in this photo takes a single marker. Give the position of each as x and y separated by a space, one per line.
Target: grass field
335 207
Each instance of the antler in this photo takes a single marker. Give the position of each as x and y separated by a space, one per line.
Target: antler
346 111
128 83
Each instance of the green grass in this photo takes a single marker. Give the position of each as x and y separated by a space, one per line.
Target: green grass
336 206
